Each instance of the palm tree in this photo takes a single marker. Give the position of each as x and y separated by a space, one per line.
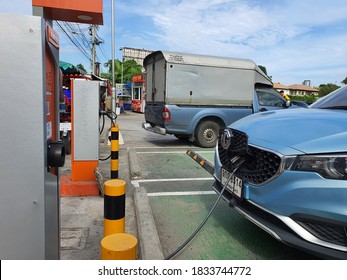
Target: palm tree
123 72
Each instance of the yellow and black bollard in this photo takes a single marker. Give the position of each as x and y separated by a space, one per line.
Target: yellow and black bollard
114 151
114 206
116 244
119 246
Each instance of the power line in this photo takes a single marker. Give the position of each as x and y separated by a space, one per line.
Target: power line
103 52
77 35
73 39
74 34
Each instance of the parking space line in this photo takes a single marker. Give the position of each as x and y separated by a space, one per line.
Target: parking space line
175 152
161 148
136 183
181 193
164 152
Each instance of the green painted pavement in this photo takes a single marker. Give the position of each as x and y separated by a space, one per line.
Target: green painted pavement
172 165
225 236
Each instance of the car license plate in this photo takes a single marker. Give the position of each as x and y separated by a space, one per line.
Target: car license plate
234 185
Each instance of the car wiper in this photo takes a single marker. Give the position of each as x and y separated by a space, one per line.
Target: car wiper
335 107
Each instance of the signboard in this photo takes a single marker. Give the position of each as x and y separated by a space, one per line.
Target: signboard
138 78
119 89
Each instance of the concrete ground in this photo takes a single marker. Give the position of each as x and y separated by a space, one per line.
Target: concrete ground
82 218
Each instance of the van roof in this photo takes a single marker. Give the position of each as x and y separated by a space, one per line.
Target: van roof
208 60
197 59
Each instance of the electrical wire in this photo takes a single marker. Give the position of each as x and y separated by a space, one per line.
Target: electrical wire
77 45
78 36
104 159
86 42
208 215
103 124
103 51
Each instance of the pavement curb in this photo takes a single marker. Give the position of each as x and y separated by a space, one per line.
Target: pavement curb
135 171
150 247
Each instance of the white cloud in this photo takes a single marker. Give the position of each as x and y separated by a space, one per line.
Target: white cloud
289 37
293 39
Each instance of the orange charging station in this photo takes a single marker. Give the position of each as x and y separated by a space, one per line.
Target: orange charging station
84 93
31 152
84 139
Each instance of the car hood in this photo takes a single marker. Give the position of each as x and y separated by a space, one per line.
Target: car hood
304 130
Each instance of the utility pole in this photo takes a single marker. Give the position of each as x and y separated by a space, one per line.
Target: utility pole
94 43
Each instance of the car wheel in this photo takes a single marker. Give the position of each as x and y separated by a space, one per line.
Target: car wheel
207 133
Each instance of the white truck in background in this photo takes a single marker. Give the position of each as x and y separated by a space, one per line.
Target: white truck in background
194 96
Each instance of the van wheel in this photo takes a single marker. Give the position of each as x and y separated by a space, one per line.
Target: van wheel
206 134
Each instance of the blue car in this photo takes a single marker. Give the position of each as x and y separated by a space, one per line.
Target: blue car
286 171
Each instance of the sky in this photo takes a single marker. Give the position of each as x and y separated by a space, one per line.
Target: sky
295 40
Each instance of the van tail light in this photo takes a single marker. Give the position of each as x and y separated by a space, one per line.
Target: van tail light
166 115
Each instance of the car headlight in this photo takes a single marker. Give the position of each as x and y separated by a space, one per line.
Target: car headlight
328 166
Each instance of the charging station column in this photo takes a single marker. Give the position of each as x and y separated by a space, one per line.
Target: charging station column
29 153
85 129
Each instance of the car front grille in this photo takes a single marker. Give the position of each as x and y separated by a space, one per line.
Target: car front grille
259 166
326 231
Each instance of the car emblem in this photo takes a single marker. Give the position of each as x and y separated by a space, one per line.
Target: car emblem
226 139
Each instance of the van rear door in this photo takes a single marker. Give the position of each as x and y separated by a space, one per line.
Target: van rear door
155 66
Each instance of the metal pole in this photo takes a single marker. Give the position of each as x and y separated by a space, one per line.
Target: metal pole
122 70
113 71
93 49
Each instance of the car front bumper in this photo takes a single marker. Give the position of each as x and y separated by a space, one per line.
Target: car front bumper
284 228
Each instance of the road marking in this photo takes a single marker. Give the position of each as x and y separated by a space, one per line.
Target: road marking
176 152
159 148
121 141
136 183
181 193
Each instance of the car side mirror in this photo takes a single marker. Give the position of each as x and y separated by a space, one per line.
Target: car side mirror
288 103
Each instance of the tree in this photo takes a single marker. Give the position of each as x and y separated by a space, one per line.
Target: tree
306 98
80 66
130 68
263 68
344 81
325 89
123 70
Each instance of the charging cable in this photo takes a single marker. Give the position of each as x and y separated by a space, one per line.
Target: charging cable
241 161
112 116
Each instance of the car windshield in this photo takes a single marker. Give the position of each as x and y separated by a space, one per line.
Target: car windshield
335 100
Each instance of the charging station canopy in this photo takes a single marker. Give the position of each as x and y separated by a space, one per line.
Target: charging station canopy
82 11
